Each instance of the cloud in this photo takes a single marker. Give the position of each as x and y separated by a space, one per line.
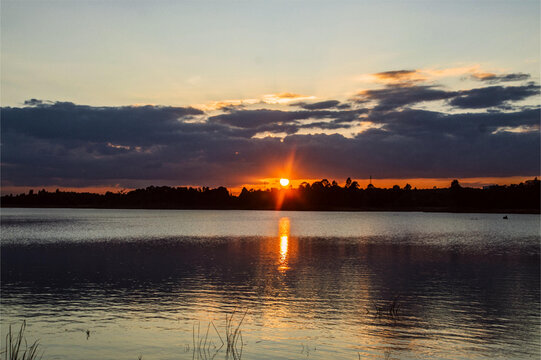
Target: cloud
389 153
256 119
418 123
33 102
399 76
395 74
328 104
433 74
271 99
493 96
128 125
284 98
405 77
322 105
286 95
395 96
227 104
493 78
66 144
398 95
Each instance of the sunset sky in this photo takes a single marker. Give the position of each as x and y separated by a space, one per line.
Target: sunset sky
125 94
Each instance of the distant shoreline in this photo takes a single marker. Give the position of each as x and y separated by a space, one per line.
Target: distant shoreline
427 210
523 198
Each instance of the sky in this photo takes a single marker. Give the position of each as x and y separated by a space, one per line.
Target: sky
125 94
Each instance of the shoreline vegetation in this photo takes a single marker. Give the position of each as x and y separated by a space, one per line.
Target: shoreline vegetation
318 196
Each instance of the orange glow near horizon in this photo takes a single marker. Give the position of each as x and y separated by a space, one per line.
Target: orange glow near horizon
269 183
15 190
420 183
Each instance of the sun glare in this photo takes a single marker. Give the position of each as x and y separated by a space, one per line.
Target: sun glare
284 182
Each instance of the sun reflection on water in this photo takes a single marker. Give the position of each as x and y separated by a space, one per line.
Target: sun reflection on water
283 233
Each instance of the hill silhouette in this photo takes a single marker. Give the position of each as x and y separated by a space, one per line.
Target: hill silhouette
320 195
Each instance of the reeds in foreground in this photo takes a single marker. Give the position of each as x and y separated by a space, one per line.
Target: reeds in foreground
233 334
204 348
16 347
391 309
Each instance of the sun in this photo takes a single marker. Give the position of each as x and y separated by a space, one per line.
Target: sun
284 182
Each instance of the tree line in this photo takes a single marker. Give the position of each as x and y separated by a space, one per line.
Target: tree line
320 195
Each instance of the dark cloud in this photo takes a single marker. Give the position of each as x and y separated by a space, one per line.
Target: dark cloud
257 118
418 123
130 125
65 144
395 96
292 128
493 96
428 154
261 119
328 104
493 78
33 102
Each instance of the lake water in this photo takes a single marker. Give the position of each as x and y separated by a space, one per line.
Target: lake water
120 284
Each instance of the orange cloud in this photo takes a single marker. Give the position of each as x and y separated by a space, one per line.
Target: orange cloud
405 77
218 105
283 98
483 76
278 98
399 76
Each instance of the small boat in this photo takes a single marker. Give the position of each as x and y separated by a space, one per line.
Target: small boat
505 217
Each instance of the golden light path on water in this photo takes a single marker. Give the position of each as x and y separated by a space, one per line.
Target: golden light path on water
283 231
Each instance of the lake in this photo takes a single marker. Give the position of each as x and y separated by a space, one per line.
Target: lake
124 284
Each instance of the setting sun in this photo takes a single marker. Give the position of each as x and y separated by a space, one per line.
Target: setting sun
284 182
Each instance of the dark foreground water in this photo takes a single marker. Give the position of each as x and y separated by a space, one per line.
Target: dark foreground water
313 285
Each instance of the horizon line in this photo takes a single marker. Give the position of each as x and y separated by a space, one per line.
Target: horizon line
387 183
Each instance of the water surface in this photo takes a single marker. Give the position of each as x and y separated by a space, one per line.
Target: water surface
316 285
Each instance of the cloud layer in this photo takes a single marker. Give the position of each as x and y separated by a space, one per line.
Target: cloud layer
484 131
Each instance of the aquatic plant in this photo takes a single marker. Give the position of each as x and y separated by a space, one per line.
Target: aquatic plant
17 348
391 309
203 347
394 307
233 335
307 349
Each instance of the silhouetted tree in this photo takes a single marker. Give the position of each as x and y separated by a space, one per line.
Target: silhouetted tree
318 196
244 193
455 184
304 185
